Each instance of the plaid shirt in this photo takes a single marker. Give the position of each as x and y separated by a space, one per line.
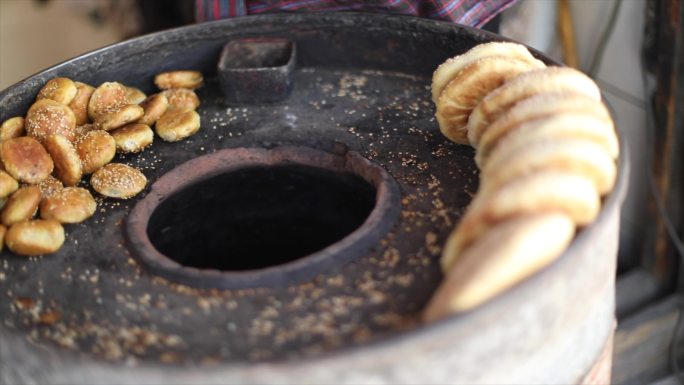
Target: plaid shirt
475 13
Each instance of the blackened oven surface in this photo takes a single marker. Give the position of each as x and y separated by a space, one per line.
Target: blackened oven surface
359 82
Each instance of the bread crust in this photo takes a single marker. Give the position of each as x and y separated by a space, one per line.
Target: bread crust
154 106
560 126
96 148
12 128
133 137
61 90
509 253
118 118
177 125
79 104
47 117
35 237
21 205
68 205
25 159
8 185
179 79
447 70
108 97
181 99
134 95
539 106
540 192
576 156
468 87
117 180
539 81
67 162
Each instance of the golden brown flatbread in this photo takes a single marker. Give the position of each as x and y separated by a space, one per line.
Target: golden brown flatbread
560 126
468 87
545 80
539 106
577 156
540 192
509 253
448 70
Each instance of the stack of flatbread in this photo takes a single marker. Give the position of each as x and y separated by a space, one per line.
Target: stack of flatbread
547 150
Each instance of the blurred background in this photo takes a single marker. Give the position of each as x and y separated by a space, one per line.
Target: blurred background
36 34
604 38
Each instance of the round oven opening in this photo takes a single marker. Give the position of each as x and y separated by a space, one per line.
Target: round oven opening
254 217
259 216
